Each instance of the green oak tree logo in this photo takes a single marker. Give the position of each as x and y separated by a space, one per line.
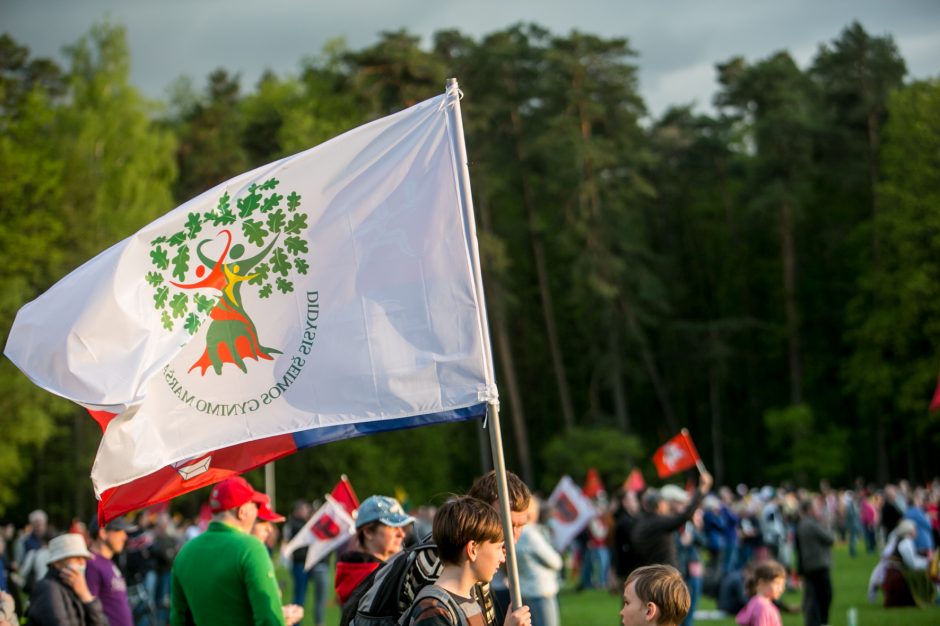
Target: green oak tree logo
272 225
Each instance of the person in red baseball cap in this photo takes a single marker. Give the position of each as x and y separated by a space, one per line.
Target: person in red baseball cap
264 525
225 575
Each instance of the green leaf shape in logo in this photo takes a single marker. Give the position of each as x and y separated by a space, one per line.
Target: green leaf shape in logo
276 221
160 258
160 297
179 303
279 262
192 323
293 201
181 263
177 238
193 225
248 204
254 231
271 202
284 285
202 273
297 223
295 245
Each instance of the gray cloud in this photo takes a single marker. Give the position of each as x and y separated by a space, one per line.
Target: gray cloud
678 42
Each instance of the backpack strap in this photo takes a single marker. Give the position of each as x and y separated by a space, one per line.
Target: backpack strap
458 618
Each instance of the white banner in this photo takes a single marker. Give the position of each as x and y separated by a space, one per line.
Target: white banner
330 288
329 528
571 512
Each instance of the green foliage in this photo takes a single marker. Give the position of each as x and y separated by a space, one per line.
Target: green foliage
894 319
695 269
809 450
609 451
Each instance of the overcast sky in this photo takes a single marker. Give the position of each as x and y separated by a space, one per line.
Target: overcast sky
678 41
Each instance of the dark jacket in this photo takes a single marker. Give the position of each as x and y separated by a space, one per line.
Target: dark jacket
653 539
814 545
53 603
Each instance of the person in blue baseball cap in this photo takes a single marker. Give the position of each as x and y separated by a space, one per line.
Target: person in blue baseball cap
380 529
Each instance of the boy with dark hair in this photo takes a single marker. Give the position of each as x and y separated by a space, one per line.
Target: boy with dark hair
469 539
655 594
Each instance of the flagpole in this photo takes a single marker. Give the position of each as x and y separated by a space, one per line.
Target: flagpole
496 441
698 461
269 482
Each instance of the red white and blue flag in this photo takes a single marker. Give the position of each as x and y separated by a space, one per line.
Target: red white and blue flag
331 294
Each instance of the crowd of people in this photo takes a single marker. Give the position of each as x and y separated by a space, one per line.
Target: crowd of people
661 549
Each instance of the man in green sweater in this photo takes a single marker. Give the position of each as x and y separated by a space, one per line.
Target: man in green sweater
225 576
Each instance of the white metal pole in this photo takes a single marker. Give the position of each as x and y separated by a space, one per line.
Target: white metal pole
269 482
496 443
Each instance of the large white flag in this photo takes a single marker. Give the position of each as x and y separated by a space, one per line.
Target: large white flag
329 528
572 511
329 294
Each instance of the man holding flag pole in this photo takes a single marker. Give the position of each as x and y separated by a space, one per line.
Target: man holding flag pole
331 294
653 535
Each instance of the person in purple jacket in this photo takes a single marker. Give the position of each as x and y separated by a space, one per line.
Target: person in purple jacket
105 580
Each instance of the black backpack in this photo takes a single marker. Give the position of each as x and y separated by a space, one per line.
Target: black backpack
457 616
387 594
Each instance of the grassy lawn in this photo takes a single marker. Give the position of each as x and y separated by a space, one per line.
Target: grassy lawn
599 608
849 581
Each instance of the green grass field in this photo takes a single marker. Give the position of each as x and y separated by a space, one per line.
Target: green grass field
599 608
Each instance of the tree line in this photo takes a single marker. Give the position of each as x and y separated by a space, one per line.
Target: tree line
763 274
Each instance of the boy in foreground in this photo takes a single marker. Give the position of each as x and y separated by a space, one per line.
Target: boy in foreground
655 594
469 539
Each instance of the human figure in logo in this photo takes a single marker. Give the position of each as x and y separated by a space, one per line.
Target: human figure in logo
231 336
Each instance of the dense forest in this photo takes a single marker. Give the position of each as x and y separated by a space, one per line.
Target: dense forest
763 275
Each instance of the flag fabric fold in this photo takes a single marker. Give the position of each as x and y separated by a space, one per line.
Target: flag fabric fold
323 296
676 455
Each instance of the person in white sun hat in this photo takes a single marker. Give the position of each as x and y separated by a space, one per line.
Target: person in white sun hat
62 598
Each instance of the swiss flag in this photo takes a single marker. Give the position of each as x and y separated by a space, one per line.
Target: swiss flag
676 455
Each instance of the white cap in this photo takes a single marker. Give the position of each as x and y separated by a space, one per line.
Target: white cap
67 545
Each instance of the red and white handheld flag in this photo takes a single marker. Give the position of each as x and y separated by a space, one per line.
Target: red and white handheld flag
572 511
331 294
328 529
676 455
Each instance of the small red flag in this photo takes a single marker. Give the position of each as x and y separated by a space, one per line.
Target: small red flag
592 483
676 455
635 481
935 402
344 494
